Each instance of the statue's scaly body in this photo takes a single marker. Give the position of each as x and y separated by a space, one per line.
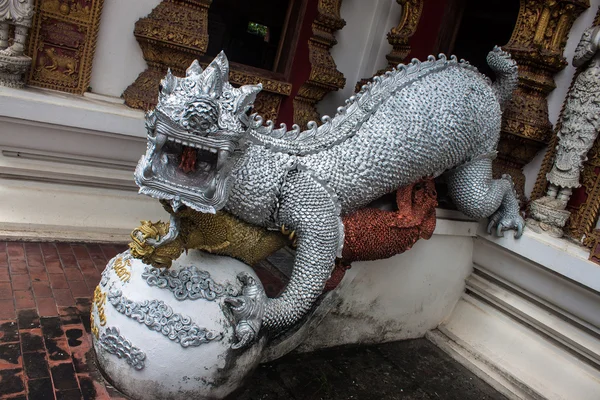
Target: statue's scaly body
417 121
446 118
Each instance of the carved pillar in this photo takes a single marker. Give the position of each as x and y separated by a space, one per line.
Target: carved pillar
537 44
172 36
400 35
324 76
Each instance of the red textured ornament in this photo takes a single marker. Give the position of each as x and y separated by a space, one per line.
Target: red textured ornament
374 234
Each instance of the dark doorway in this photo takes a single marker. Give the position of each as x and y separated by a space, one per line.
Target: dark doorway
250 32
473 27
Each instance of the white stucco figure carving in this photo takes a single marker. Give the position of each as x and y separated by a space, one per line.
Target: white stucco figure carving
579 129
13 64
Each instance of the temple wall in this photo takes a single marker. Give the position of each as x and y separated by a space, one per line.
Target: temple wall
118 59
401 297
362 45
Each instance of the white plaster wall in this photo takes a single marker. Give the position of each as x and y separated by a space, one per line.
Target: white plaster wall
563 81
118 60
399 298
362 45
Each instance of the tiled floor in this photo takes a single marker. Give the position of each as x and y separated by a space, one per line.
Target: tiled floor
45 344
45 292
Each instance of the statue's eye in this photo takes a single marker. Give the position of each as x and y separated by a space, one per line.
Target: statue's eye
204 125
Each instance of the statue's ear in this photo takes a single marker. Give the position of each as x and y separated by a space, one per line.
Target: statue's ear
223 63
247 96
212 83
168 84
194 69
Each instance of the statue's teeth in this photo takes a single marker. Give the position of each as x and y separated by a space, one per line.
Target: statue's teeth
223 156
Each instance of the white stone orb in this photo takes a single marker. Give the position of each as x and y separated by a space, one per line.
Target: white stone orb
169 335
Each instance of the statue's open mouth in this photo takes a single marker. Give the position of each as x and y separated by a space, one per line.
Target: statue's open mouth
186 168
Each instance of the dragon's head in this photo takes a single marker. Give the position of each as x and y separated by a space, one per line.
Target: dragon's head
192 135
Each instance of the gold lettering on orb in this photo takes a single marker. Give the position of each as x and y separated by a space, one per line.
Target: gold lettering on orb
99 302
120 267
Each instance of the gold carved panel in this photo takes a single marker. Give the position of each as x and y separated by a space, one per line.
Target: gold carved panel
62 44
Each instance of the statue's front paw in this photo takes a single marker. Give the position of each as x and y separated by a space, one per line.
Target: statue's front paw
248 309
504 222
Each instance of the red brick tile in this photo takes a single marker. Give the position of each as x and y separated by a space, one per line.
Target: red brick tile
58 281
54 267
5 291
63 297
21 282
68 261
99 262
64 248
87 265
24 299
3 260
18 267
93 249
49 251
80 289
15 251
92 283
7 309
80 251
47 307
38 274
32 246
4 276
35 261
109 251
73 275
42 289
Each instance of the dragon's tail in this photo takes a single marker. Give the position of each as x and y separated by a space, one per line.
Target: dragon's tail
506 72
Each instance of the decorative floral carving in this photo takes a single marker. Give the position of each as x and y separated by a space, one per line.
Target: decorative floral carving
112 342
188 283
158 316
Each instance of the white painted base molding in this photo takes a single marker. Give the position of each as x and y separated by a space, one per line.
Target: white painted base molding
525 328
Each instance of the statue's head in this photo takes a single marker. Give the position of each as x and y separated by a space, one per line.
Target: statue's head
587 47
193 135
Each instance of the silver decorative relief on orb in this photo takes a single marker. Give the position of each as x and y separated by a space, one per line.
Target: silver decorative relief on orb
158 316
188 283
112 342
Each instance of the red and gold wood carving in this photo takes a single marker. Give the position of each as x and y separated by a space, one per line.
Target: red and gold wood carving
62 44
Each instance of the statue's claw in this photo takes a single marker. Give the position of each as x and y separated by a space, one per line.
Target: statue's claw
504 223
248 309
